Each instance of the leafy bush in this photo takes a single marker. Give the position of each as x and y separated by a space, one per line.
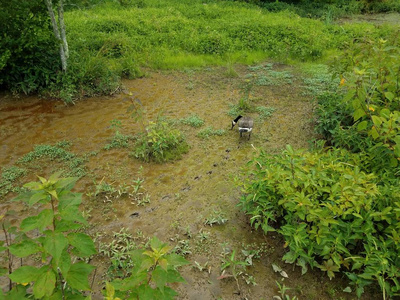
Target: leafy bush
160 143
332 215
29 58
56 241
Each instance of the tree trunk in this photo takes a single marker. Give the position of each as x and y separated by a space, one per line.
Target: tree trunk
57 28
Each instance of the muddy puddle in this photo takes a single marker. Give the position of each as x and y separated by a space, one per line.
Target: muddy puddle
182 194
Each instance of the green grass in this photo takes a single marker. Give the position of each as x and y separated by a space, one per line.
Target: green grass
193 121
209 132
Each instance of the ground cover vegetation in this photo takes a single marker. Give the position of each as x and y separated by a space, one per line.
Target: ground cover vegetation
110 40
54 252
337 207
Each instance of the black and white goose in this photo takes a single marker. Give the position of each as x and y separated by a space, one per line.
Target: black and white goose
245 124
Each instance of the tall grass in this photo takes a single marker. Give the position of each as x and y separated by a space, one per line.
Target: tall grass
115 39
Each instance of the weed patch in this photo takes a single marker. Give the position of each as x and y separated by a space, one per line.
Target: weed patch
160 143
209 132
72 164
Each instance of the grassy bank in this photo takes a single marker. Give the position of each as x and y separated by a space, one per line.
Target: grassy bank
114 40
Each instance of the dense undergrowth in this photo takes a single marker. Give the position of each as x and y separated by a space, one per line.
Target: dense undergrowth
112 40
337 207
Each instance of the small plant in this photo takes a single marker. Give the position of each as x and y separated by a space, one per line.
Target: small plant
154 269
183 248
160 143
236 267
209 132
264 112
202 268
194 121
282 291
217 217
118 252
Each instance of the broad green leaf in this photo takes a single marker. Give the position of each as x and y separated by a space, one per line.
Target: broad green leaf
160 277
25 248
374 133
176 260
54 244
18 293
32 185
359 113
54 177
72 213
377 120
63 182
38 196
3 271
362 125
41 221
83 244
67 226
45 284
67 199
385 113
77 276
26 274
155 243
65 262
131 282
389 96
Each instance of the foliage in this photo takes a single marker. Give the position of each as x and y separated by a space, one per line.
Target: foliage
58 241
8 177
210 131
371 75
193 120
216 217
119 140
114 39
117 251
29 58
57 153
153 270
332 215
160 143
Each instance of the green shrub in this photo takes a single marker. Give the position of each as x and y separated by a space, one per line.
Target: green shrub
332 215
160 143
29 56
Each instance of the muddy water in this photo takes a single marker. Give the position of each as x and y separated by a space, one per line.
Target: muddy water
183 193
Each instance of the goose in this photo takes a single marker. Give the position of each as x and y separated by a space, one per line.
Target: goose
245 124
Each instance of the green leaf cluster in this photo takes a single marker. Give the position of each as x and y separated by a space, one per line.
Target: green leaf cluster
153 270
160 143
56 241
332 215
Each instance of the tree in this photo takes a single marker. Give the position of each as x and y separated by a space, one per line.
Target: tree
59 30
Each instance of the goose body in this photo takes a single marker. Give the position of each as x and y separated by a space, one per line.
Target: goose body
245 124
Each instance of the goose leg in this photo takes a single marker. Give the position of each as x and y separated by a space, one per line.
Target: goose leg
249 135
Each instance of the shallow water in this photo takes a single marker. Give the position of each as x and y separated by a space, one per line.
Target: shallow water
185 192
